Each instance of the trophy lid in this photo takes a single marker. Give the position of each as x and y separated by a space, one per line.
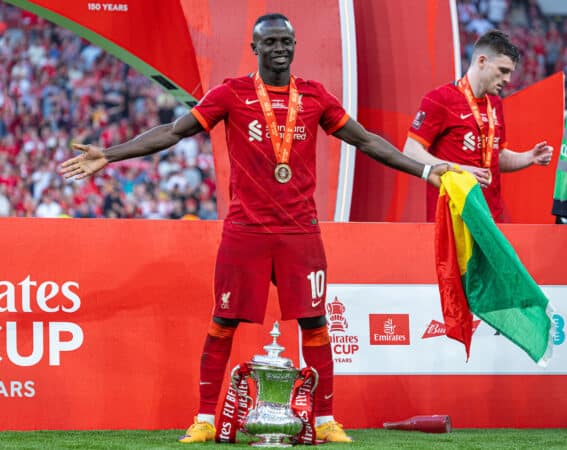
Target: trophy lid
273 350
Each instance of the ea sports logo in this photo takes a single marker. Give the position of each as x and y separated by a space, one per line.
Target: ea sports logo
255 131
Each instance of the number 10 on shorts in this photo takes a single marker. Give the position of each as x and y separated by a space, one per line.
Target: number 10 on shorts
317 280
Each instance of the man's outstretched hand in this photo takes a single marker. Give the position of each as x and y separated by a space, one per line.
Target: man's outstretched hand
439 169
89 162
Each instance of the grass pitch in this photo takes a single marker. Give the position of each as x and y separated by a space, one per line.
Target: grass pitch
460 439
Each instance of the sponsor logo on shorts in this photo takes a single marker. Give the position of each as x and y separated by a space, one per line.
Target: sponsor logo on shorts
225 297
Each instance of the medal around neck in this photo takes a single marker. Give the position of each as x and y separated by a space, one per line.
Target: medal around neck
282 173
281 146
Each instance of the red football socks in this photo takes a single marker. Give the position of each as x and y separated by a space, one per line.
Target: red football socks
317 353
216 353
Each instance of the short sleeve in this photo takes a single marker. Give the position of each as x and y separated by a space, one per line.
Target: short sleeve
334 115
429 121
213 107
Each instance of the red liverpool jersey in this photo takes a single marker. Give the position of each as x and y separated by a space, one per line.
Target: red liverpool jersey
258 202
446 127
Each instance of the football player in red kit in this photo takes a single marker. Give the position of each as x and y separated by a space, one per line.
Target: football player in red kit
463 123
271 232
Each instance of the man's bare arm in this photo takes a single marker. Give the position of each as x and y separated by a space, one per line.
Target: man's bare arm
158 138
155 139
415 149
377 148
382 151
540 155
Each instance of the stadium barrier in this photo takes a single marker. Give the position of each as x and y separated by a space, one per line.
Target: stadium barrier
102 323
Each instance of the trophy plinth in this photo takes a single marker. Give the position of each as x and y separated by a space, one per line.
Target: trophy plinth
272 419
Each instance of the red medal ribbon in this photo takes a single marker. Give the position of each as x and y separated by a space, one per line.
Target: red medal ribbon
235 406
487 141
282 148
302 405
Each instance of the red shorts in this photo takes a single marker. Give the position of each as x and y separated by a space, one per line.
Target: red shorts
247 262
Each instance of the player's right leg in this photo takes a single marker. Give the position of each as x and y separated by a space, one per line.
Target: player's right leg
242 276
214 359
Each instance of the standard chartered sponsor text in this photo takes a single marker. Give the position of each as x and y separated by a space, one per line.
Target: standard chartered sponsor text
299 132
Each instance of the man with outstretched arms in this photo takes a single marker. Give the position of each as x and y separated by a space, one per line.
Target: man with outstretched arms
271 232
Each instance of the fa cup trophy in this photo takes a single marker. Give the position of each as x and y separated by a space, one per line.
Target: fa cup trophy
282 411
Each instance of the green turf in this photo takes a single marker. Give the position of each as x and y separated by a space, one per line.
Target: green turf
481 439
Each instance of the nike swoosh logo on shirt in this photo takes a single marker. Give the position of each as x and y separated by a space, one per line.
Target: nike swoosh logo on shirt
327 397
250 102
314 303
465 116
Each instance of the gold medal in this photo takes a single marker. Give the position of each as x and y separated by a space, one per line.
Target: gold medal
282 147
282 173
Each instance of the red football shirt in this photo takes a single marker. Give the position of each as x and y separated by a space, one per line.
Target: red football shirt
446 127
258 202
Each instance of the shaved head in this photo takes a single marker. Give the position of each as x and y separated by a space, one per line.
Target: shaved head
267 18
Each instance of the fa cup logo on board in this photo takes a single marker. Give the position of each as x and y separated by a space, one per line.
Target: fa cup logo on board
337 320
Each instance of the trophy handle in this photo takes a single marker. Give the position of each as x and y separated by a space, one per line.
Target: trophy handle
315 378
233 377
316 382
233 373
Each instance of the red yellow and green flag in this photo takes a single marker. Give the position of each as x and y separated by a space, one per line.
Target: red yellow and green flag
480 273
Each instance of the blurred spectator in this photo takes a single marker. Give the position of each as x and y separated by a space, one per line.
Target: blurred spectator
5 207
48 206
54 86
542 40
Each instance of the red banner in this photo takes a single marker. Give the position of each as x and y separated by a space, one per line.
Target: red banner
395 70
533 115
106 319
151 36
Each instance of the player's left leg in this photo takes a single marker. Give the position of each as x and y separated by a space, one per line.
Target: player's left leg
317 353
300 275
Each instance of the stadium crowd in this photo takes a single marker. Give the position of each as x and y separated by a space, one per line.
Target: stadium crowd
55 86
542 39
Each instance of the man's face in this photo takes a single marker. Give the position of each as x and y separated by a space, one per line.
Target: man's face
496 71
274 43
